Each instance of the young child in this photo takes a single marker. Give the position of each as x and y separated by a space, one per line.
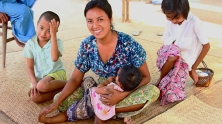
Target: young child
128 79
43 52
185 46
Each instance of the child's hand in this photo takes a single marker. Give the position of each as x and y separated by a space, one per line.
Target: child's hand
34 91
53 27
193 74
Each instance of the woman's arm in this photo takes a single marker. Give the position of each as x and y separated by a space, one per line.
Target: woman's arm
117 96
73 83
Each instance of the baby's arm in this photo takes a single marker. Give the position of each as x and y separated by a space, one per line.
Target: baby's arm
107 81
54 46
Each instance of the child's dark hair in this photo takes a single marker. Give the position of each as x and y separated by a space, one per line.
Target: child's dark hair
49 15
101 4
176 7
130 77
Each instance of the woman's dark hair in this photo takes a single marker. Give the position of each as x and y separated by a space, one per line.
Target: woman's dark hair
130 77
49 15
176 7
101 4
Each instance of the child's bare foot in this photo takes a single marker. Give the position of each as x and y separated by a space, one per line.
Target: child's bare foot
127 120
44 119
18 42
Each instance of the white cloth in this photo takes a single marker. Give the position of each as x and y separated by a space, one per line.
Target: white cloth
189 36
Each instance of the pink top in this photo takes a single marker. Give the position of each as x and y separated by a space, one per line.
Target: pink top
102 111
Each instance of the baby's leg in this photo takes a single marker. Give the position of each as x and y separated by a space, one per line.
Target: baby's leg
62 117
49 84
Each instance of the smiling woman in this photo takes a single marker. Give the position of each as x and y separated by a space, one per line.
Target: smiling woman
104 52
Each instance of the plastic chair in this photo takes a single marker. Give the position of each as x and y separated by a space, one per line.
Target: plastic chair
5 40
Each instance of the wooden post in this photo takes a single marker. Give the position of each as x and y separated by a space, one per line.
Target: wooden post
123 10
127 11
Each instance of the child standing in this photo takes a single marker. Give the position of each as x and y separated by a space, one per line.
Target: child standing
128 78
43 52
185 46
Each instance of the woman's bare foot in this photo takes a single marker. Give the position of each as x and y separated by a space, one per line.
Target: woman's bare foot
127 120
18 42
44 119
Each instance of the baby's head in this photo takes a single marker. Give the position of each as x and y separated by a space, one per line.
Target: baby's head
176 11
43 27
128 77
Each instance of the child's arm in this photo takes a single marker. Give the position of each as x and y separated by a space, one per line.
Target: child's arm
54 46
203 53
30 69
107 81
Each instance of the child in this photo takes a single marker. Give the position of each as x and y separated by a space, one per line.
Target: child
128 79
43 52
185 46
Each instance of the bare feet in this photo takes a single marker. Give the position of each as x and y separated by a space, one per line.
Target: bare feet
127 120
44 119
18 42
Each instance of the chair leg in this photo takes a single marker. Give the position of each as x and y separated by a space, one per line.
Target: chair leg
4 41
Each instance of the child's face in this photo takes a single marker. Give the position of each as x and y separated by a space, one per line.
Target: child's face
43 30
175 20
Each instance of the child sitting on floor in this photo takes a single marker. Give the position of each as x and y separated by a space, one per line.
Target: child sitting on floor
43 52
128 79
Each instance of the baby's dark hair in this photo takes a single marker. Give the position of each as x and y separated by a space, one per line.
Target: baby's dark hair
101 4
49 15
176 7
129 77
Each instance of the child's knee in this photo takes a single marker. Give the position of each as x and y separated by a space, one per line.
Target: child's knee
42 86
172 58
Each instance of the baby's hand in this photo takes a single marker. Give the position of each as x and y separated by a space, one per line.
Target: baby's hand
53 27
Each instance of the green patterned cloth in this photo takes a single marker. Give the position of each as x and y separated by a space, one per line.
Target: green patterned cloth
143 94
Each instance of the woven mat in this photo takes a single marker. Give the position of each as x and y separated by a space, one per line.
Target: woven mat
190 111
14 84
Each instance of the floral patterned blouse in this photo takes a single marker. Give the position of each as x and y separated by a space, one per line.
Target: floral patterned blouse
127 52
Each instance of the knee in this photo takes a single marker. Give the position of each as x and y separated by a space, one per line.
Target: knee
172 58
24 10
42 86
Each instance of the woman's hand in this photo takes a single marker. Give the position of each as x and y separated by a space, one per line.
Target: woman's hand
193 74
54 106
3 17
113 97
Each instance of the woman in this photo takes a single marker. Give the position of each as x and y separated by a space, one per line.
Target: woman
104 53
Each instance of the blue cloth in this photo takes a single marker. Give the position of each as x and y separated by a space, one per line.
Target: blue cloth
127 52
21 17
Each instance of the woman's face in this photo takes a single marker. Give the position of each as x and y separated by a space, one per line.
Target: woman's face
98 22
175 20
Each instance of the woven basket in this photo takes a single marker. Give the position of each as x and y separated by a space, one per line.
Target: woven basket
206 80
